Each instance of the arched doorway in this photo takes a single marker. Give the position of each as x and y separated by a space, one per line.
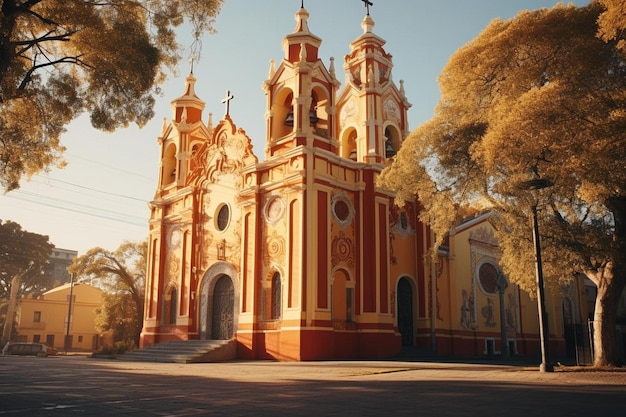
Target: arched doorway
223 307
405 311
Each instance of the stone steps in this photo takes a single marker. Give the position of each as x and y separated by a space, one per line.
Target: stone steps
185 351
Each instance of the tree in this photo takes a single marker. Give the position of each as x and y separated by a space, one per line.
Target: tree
60 58
121 273
538 96
23 256
612 22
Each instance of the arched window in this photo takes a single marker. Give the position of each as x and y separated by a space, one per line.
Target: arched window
276 297
169 164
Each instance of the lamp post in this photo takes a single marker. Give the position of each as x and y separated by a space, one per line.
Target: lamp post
68 338
544 333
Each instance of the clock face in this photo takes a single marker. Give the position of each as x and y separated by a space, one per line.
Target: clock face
174 238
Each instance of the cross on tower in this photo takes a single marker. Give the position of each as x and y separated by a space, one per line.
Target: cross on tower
192 58
367 4
227 100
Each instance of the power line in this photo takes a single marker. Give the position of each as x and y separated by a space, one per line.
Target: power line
110 167
92 189
77 208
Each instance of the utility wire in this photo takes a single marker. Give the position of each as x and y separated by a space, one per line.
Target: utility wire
77 208
91 189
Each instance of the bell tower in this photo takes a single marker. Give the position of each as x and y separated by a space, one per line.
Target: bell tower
182 138
372 110
300 95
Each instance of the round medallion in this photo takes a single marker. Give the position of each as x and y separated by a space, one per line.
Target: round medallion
274 210
174 238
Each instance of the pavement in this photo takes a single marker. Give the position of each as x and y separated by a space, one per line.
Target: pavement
80 385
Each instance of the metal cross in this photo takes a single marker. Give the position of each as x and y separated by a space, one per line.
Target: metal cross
227 100
192 58
367 4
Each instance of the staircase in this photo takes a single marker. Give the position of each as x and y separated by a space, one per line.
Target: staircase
185 351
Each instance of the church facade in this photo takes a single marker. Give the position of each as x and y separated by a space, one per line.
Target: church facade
301 256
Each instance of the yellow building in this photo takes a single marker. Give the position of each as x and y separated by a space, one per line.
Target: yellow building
479 311
302 256
44 318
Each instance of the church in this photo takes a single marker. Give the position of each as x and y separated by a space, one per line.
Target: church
300 256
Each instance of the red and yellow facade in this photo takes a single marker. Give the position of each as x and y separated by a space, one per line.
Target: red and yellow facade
299 256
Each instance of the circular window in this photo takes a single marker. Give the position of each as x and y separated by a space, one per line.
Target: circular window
342 211
223 217
488 278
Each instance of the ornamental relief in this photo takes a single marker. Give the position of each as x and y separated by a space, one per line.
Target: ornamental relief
275 249
391 109
342 251
348 112
484 235
173 266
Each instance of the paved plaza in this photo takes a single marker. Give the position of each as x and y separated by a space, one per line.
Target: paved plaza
78 385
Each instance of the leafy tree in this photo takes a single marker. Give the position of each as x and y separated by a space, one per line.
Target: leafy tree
121 273
612 22
23 256
59 58
118 317
534 97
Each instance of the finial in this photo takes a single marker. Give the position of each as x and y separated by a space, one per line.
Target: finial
332 67
367 4
302 4
226 100
272 69
210 124
301 21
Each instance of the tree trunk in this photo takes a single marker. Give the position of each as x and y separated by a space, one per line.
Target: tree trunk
604 321
610 281
8 324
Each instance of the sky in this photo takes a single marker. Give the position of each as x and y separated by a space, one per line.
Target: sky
101 198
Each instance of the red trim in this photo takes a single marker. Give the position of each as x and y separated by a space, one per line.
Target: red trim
322 255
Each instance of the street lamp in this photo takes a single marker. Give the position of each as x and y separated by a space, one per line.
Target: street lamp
544 333
68 339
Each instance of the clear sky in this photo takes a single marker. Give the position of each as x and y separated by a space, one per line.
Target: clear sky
101 198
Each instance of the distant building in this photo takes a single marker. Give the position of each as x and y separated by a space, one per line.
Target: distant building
44 318
59 260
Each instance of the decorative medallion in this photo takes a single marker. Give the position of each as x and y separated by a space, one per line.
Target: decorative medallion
174 266
274 249
274 210
342 250
174 237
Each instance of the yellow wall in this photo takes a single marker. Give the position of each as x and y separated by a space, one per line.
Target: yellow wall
50 324
469 313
